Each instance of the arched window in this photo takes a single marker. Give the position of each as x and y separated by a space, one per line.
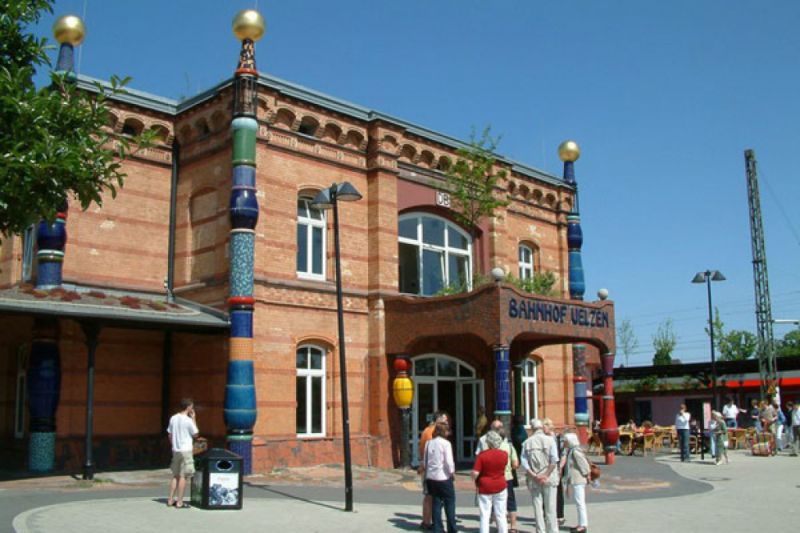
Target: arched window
526 262
530 390
434 253
310 240
310 383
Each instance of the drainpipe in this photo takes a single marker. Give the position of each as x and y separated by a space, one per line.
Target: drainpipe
173 206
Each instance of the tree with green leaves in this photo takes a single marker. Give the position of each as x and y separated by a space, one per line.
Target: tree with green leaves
735 345
53 141
664 342
626 339
789 345
471 181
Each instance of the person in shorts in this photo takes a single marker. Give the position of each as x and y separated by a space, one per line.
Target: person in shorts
182 430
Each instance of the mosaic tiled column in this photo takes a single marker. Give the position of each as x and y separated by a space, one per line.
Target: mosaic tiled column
44 365
609 431
569 152
44 389
240 392
502 384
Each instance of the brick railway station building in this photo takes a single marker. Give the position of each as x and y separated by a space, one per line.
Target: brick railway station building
494 346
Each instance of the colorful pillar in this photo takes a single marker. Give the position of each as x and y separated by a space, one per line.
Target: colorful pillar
403 393
240 391
502 384
609 430
44 366
569 152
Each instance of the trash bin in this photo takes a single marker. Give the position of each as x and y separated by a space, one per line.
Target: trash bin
217 482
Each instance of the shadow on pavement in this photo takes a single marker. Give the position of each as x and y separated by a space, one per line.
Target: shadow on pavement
292 496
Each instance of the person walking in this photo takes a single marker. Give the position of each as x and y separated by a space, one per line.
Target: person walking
780 425
182 431
682 421
719 435
576 472
794 415
427 435
439 471
730 413
755 415
540 458
489 475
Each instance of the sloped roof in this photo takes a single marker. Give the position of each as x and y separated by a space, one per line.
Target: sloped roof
114 308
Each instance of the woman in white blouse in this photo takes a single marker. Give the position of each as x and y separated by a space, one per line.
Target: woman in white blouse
576 475
439 470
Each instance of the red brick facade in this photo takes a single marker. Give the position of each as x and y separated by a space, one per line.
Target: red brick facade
124 245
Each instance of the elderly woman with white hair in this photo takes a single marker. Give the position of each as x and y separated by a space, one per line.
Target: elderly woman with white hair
576 474
489 474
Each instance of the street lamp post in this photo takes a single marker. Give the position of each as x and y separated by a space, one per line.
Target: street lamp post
707 277
326 199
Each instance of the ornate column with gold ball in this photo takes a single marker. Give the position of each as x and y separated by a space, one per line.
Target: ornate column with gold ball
569 152
240 391
403 392
44 366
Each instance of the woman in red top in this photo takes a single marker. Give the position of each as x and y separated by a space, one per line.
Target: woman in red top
489 474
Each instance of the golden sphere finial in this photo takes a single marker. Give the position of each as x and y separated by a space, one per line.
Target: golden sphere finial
69 29
569 151
249 24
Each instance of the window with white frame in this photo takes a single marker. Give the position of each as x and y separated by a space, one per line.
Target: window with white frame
310 383
310 240
433 254
530 391
526 267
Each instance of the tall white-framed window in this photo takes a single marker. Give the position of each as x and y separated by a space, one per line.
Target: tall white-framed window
526 267
28 248
530 390
310 240
433 254
310 383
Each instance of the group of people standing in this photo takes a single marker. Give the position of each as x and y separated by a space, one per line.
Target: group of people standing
550 462
766 416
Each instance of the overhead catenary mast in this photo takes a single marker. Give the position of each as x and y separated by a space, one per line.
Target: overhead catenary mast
766 348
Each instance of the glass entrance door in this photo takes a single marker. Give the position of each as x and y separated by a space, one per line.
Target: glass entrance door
470 397
444 383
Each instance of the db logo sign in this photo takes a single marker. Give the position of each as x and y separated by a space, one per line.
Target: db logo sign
442 199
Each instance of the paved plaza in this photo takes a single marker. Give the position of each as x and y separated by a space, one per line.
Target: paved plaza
637 494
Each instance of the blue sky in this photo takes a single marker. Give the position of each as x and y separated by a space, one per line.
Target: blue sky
663 98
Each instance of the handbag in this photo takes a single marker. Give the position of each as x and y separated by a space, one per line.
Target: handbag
594 471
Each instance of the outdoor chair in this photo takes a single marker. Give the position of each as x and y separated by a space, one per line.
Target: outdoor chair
649 444
733 441
625 441
741 438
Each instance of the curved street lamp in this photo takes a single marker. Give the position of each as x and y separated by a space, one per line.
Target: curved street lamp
707 277
327 199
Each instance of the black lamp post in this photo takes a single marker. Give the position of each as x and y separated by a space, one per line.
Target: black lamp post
707 277
326 199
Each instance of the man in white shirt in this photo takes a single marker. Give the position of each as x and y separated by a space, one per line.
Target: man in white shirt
540 458
730 412
182 430
682 420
